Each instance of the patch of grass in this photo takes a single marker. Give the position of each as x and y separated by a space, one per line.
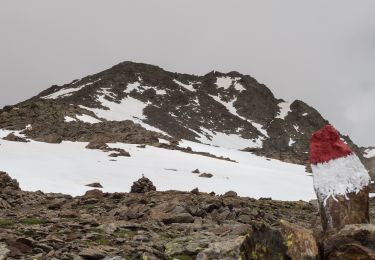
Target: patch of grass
124 233
6 223
182 257
32 221
97 230
102 241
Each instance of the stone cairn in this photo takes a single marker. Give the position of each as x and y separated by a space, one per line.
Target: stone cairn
142 185
341 182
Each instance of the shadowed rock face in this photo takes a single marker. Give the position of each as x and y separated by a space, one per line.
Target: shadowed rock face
351 242
182 106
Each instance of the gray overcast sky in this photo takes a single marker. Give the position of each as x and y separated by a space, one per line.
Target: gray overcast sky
322 52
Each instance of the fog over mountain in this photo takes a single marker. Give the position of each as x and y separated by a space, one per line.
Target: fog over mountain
320 52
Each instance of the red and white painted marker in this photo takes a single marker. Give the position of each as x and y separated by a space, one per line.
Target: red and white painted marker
339 176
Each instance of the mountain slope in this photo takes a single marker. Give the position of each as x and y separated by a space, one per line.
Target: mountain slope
137 103
68 167
205 108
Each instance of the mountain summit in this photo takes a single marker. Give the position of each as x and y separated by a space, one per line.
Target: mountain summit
141 103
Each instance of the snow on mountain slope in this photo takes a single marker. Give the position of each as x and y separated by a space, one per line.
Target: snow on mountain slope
69 166
229 141
66 92
128 109
284 110
215 108
137 103
369 153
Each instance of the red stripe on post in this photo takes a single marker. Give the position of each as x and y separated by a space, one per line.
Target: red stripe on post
326 145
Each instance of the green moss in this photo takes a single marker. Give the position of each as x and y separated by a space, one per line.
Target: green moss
259 251
32 221
124 233
289 241
97 230
6 223
102 241
181 257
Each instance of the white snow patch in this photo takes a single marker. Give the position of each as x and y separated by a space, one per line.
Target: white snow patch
296 127
69 119
239 87
132 86
55 168
260 128
305 114
188 87
229 141
87 119
230 107
128 109
284 110
291 141
139 88
369 153
4 133
372 195
224 82
163 141
67 91
339 176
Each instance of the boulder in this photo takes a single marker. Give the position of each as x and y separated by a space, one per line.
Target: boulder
92 254
96 194
51 138
230 194
97 145
351 242
119 152
300 242
206 175
265 242
14 138
231 249
179 218
4 251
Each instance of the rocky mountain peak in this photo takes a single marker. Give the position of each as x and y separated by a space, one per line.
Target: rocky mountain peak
225 109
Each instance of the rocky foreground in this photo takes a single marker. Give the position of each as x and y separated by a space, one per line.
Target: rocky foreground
146 224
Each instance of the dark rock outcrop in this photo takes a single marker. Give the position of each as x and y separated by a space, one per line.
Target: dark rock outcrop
351 242
14 138
10 192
